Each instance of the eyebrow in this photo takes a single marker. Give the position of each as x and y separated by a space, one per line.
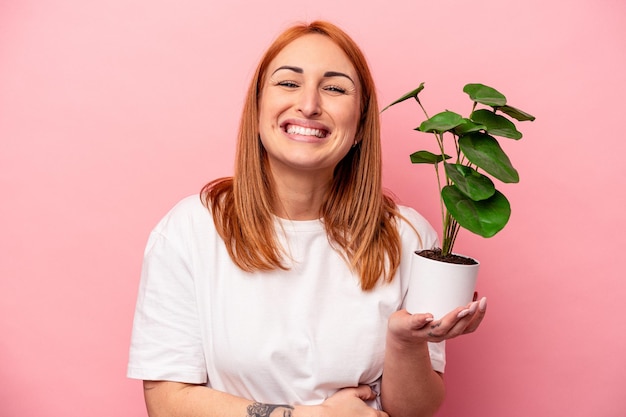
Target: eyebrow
327 74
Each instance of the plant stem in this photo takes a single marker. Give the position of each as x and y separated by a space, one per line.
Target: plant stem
445 247
450 225
455 233
441 205
451 230
423 109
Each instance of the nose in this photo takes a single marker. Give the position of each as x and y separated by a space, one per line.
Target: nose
309 102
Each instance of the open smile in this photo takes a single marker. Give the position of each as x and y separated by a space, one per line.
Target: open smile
313 131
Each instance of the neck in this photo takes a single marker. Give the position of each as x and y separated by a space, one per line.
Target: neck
299 197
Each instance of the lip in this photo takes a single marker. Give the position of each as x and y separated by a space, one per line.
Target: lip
309 124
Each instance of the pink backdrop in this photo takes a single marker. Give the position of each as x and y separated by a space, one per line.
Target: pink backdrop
111 111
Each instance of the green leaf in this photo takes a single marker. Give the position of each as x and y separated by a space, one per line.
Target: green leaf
496 124
410 94
517 114
441 122
470 182
485 152
484 218
425 157
468 126
486 95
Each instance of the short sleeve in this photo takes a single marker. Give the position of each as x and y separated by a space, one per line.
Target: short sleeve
437 353
166 342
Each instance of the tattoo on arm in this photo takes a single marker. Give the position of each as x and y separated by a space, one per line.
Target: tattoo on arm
267 410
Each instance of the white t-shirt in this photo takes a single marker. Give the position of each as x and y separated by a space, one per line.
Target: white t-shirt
281 337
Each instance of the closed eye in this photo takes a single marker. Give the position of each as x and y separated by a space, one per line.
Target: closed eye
287 84
335 89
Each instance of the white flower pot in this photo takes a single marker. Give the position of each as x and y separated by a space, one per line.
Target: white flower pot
439 287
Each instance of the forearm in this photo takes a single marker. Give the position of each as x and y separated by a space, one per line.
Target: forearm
410 387
172 399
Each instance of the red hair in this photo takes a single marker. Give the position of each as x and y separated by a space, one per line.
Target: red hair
360 219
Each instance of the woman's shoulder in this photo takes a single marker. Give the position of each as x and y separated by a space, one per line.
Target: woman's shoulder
190 205
413 216
412 221
187 212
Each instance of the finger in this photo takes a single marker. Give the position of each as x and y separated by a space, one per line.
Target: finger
478 316
458 313
419 321
471 319
364 392
456 322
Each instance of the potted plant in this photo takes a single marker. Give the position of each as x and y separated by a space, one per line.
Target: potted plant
468 196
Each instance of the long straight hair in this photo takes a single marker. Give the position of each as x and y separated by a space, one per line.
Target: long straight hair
359 218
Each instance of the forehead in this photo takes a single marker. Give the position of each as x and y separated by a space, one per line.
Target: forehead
313 52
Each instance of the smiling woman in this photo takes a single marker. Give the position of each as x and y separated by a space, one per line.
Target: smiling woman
308 117
279 291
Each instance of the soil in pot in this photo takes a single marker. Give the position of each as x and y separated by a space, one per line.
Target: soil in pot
436 255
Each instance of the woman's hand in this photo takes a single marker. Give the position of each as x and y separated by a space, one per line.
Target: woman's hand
349 402
410 387
412 328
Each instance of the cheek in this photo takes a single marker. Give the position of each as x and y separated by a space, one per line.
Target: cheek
354 124
352 117
262 108
270 109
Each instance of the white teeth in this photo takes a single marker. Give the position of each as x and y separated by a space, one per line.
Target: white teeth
304 131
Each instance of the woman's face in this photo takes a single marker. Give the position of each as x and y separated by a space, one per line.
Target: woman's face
309 107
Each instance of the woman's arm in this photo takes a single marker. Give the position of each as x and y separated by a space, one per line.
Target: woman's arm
174 399
410 387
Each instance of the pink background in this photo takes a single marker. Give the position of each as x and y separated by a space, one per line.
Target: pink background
111 111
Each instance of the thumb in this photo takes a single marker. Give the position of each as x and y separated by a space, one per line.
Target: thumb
365 392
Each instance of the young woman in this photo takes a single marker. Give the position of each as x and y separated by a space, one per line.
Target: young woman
279 291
